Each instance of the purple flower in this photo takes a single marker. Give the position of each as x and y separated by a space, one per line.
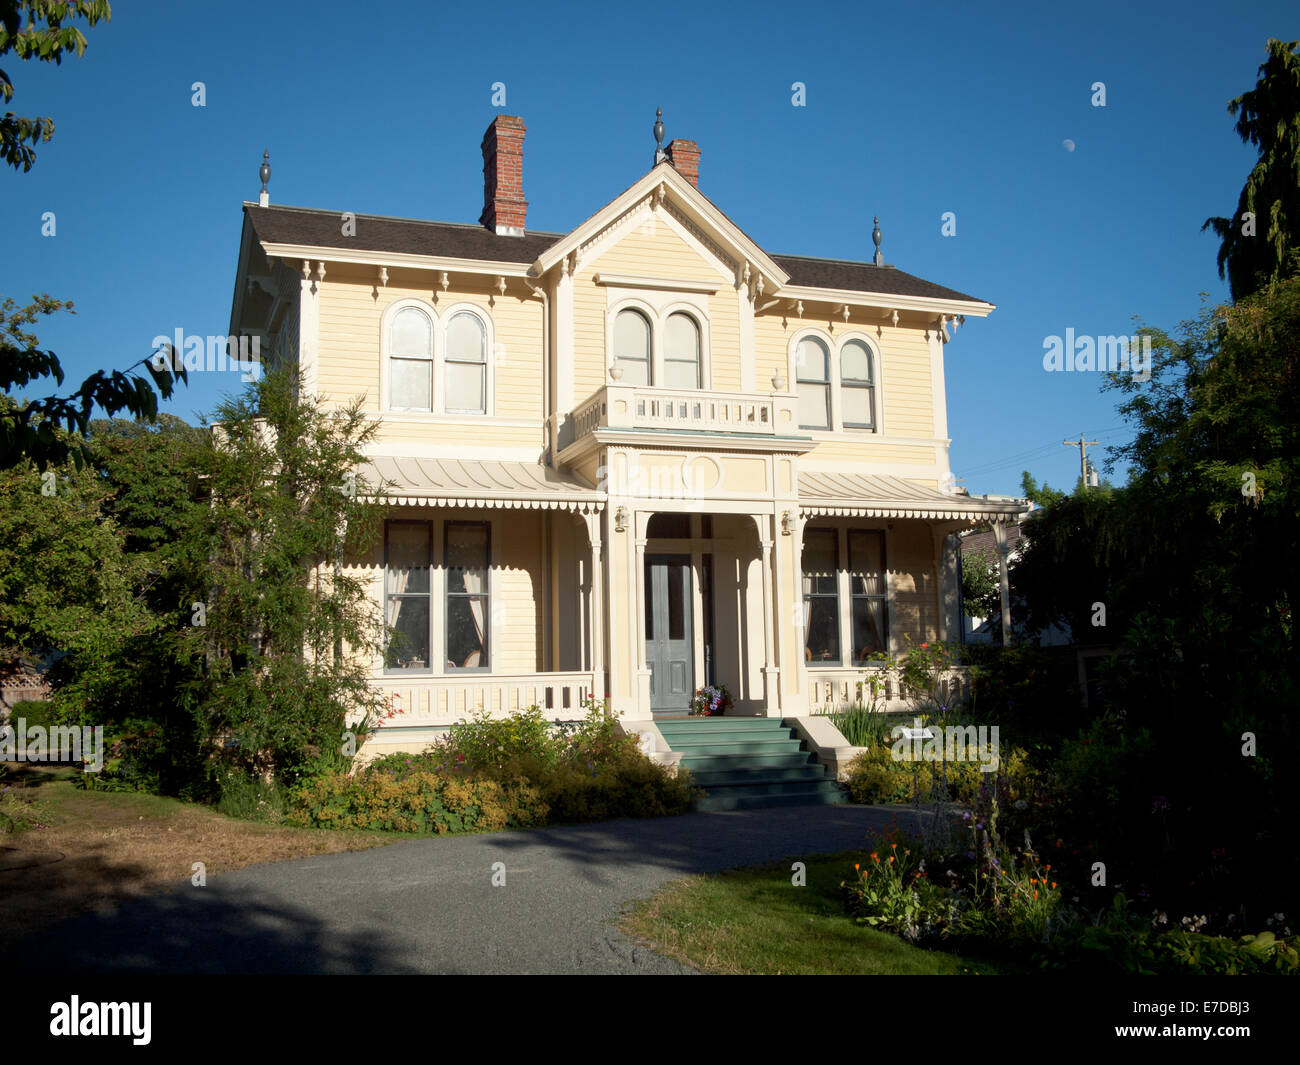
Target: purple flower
1159 805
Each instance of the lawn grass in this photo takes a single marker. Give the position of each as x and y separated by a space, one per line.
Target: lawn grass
89 850
754 921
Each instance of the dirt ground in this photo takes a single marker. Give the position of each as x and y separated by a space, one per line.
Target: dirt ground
91 850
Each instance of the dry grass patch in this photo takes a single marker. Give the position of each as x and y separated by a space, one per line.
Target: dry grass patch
93 850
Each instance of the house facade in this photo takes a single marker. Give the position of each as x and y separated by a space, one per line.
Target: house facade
632 459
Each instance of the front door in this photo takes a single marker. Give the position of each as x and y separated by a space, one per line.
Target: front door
669 641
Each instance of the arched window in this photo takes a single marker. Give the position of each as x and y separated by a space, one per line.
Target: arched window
857 386
410 353
632 347
682 352
466 365
812 370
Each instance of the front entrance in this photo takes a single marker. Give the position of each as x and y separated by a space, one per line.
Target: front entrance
669 641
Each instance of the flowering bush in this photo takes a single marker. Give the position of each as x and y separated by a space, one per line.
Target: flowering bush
711 701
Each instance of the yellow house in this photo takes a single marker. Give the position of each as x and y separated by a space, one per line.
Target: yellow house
633 459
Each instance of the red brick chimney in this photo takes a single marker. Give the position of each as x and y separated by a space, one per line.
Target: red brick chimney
504 206
685 157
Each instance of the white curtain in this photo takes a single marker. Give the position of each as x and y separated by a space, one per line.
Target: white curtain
476 585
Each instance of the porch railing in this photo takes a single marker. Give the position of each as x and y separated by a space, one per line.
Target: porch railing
833 690
436 701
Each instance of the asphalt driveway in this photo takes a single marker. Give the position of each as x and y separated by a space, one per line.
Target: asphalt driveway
430 906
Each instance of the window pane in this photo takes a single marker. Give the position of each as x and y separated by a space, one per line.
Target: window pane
412 384
467 558
412 333
408 646
635 371
631 336
682 348
408 557
811 360
467 632
465 387
855 362
681 374
676 601
857 406
823 644
819 562
814 406
866 563
466 339
868 628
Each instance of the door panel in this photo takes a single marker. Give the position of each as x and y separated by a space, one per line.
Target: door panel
669 649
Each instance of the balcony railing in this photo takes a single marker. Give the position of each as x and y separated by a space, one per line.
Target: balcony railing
618 406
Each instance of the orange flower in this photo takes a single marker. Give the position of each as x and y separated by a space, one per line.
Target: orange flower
1053 885
855 865
893 846
891 857
1049 868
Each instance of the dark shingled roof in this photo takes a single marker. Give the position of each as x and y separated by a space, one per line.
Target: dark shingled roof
861 277
324 229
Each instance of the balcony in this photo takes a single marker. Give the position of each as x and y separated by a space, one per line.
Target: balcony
640 407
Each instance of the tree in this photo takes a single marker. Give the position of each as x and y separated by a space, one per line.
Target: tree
29 431
49 33
1259 243
980 594
287 633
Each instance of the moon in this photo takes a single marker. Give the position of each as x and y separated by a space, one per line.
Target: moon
1068 145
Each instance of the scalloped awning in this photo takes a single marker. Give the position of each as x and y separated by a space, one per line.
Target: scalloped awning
864 495
446 482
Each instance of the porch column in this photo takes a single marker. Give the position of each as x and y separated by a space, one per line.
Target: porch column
948 585
771 675
801 662
595 604
641 682
1004 587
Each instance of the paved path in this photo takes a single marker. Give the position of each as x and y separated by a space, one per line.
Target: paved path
428 906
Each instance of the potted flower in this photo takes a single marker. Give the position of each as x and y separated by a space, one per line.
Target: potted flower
713 700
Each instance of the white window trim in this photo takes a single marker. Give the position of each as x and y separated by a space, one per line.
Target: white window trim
385 355
878 389
440 320
793 379
835 346
657 306
489 354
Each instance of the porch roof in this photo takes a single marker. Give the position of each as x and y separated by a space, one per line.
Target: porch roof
448 482
875 496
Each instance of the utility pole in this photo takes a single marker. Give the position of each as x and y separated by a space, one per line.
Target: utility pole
1083 446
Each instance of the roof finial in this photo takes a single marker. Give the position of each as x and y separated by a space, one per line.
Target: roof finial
264 172
879 259
660 154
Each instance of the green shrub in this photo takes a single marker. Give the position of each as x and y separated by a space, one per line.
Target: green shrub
250 798
876 776
419 802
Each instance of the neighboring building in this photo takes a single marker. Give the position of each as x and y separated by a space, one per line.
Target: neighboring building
984 543
629 459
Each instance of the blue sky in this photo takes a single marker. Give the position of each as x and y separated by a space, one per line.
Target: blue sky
912 111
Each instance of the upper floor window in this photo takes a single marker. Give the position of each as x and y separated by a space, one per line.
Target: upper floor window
857 386
632 347
466 365
682 352
812 369
410 349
